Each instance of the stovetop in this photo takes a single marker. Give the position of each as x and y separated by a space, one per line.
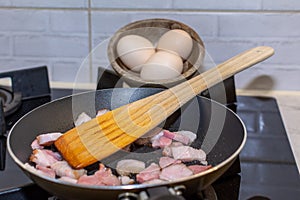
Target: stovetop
268 168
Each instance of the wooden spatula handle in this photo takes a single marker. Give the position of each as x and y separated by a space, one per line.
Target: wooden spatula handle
106 134
145 114
221 72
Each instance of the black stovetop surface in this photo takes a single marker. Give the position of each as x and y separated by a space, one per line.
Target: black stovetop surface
268 167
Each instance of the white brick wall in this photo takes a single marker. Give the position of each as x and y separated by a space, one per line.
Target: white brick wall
60 33
23 20
49 4
5 42
281 5
145 4
71 22
218 5
50 46
259 25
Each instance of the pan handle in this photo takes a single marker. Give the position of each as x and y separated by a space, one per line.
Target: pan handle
156 193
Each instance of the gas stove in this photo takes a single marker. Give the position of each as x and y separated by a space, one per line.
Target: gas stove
265 169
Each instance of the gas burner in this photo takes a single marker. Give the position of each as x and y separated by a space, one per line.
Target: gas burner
11 100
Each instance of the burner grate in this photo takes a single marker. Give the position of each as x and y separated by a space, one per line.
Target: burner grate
29 89
10 101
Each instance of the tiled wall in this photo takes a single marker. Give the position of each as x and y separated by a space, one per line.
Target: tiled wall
61 33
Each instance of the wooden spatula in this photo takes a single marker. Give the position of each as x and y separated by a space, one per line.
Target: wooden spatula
106 134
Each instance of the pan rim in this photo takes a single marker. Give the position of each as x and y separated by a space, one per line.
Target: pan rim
132 186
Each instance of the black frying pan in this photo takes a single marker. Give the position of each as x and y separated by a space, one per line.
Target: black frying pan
220 133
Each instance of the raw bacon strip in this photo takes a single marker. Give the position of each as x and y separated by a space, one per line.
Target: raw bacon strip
35 145
55 155
178 137
198 168
44 157
82 118
157 136
187 153
62 168
89 180
110 180
150 173
47 171
105 176
48 138
167 151
147 137
155 181
192 136
166 161
175 172
162 142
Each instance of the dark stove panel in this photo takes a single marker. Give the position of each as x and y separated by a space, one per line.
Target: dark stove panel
31 83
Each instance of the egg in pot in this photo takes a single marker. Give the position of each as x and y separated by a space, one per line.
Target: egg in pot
162 65
177 41
134 50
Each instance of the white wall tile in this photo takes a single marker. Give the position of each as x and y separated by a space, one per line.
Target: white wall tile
108 22
259 25
281 5
132 4
99 52
5 43
55 33
51 46
286 52
72 22
10 64
23 20
218 5
50 4
219 50
5 3
65 71
268 77
205 24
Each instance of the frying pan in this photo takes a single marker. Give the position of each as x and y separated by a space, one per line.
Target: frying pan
220 133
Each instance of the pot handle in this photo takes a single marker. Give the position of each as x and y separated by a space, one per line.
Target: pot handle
156 193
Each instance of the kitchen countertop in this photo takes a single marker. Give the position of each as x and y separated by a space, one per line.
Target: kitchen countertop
288 102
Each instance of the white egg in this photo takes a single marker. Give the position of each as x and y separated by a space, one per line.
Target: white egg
162 65
178 41
134 50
